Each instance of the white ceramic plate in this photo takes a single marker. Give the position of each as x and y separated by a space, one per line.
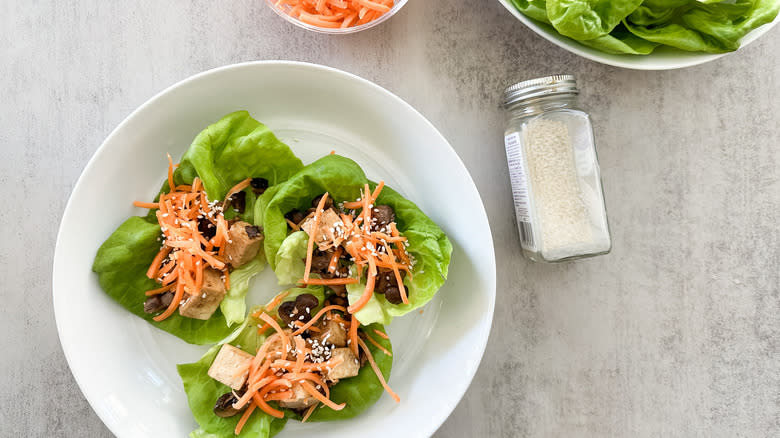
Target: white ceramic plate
126 367
663 58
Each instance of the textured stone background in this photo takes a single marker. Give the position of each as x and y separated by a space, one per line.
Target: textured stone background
676 333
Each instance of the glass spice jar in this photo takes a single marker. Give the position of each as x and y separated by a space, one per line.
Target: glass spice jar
554 171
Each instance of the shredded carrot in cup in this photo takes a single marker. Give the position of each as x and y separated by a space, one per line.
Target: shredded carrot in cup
335 14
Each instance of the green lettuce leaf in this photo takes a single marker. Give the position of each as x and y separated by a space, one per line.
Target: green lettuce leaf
290 258
121 264
233 306
588 19
621 42
693 25
233 149
709 27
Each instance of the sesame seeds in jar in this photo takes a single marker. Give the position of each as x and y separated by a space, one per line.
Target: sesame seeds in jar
554 171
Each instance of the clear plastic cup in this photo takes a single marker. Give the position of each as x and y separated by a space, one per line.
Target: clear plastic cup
282 13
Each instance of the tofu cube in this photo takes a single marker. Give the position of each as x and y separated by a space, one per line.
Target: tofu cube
204 304
301 398
328 234
244 243
332 334
349 366
226 365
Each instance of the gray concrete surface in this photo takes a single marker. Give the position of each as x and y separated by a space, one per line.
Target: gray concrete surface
676 333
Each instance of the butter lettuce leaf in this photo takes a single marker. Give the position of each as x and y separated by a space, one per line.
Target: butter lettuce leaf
233 149
342 178
712 26
121 264
233 306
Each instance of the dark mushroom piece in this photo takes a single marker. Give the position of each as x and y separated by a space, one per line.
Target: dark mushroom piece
295 216
238 201
206 228
253 231
287 312
224 406
337 301
393 295
320 260
259 185
158 303
383 215
316 201
306 301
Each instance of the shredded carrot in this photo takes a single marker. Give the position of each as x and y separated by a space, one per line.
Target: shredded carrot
378 372
155 266
263 328
318 395
293 225
363 300
146 204
258 398
377 345
353 335
328 281
308 413
159 291
335 13
236 188
334 260
174 304
278 328
314 228
381 334
274 302
317 316
244 418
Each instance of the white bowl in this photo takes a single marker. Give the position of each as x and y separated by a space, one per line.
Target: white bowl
663 58
126 368
386 16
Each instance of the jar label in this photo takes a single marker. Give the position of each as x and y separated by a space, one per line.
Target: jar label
520 195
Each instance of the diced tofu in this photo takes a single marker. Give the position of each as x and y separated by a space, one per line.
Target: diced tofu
332 334
301 398
328 234
244 243
203 305
226 365
349 366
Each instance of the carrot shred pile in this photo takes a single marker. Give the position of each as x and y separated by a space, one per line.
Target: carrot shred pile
284 359
335 14
185 253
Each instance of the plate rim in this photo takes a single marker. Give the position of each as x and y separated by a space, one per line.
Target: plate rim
614 60
485 327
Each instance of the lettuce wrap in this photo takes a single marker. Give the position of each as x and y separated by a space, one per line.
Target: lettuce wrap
342 178
359 392
233 149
